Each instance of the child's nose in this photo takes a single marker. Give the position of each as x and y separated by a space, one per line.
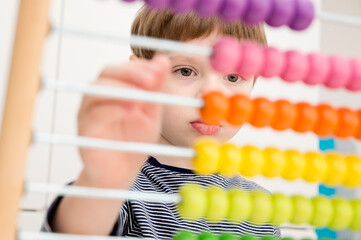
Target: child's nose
212 82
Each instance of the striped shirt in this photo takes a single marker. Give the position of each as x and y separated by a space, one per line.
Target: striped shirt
162 220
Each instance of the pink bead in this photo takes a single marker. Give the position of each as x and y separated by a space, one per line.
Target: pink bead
252 59
206 8
355 82
296 66
226 55
340 72
319 69
274 62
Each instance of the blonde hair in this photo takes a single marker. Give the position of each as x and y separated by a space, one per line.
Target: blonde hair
188 26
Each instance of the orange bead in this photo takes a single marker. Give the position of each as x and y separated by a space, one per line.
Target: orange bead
215 107
263 112
348 123
358 131
285 116
240 110
327 120
306 117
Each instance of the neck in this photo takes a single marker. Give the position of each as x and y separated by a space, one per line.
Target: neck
173 161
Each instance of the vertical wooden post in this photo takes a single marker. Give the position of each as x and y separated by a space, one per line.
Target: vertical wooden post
23 85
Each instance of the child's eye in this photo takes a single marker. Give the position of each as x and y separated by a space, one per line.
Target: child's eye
186 72
234 78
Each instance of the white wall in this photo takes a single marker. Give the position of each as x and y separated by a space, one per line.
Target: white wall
81 59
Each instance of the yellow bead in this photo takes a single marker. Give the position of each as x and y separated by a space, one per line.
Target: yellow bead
230 159
217 207
353 172
261 207
295 165
207 156
252 161
194 201
274 162
316 167
336 169
240 205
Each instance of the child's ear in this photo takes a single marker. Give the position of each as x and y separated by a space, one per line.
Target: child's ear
133 57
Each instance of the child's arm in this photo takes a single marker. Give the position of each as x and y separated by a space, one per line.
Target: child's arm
114 120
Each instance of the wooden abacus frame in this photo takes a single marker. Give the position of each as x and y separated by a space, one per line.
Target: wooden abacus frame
23 84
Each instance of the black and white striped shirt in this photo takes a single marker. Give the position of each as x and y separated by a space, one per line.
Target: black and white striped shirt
162 220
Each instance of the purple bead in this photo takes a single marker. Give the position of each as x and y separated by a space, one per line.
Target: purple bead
233 10
180 6
258 11
129 0
303 15
157 4
281 13
206 8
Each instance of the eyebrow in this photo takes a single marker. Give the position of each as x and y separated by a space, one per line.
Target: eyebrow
185 58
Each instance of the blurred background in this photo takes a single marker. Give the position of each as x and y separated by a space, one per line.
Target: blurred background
72 58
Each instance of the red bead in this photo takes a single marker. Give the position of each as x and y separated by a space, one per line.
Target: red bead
240 110
348 123
327 120
215 107
306 117
285 116
263 112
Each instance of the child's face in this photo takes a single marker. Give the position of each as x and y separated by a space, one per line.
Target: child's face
192 76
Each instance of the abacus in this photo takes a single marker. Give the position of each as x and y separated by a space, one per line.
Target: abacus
208 156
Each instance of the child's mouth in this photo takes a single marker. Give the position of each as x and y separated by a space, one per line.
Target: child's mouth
205 129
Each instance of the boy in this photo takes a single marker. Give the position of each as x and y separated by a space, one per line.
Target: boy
178 74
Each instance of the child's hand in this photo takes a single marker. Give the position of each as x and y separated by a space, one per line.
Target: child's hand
121 121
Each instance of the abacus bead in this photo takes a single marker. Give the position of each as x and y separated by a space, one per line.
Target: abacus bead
303 15
215 107
316 167
267 238
322 211
285 115
353 174
358 131
248 237
257 11
319 69
355 79
348 123
233 10
295 165
307 117
157 4
185 235
207 236
240 109
336 170
356 220
296 66
207 156
274 62
327 120
240 205
263 112
281 13
226 55
302 210
182 6
340 72
262 207
252 161
230 159
252 60
282 209
274 162
217 207
228 236
343 214
206 8
194 201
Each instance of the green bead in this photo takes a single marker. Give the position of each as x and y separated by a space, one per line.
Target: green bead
343 214
262 207
282 209
207 236
240 205
322 211
268 238
287 238
302 209
217 207
356 221
185 235
228 236
194 201
248 237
